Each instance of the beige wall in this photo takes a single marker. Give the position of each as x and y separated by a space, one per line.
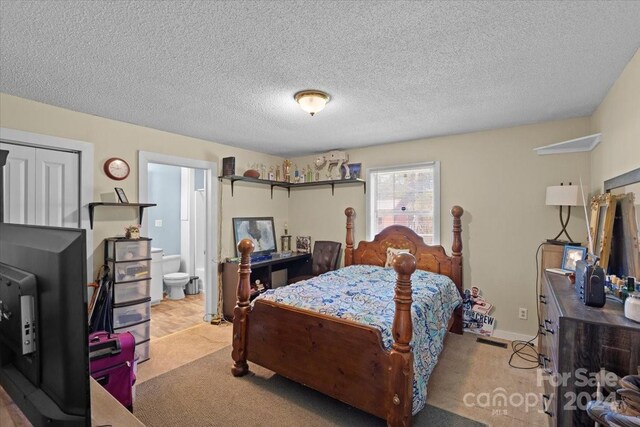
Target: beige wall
618 119
499 181
112 138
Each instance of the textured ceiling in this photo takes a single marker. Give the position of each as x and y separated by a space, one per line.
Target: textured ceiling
227 71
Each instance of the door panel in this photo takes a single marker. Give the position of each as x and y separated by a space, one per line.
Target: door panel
57 188
19 184
41 186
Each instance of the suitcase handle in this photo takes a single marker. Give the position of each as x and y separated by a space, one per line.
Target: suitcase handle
94 337
105 349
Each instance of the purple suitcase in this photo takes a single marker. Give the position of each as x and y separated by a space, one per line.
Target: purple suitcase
111 358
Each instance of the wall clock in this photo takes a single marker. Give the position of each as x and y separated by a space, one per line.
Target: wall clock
116 168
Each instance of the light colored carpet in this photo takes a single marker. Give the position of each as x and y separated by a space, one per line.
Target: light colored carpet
204 393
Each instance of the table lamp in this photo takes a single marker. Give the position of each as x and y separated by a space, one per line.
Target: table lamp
563 195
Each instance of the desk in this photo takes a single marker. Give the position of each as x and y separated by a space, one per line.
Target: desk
296 265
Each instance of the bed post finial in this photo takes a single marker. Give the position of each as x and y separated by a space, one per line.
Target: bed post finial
456 264
241 311
401 357
348 250
456 247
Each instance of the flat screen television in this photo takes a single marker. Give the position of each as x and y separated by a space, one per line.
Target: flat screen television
44 354
260 230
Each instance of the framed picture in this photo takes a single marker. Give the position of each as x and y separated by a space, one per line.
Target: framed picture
303 244
121 196
603 209
354 170
572 254
259 230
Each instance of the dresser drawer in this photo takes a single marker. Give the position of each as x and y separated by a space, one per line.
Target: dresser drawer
131 291
127 249
141 331
129 315
130 271
143 351
549 407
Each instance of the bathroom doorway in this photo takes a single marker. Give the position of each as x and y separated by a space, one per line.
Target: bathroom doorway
184 280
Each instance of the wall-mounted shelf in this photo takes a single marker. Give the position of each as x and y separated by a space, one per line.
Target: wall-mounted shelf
290 185
585 143
140 206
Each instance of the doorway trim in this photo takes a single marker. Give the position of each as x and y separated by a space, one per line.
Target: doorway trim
85 152
211 194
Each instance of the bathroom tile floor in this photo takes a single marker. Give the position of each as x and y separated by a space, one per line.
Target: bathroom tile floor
172 316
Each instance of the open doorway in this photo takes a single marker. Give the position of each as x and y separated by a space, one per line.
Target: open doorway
184 279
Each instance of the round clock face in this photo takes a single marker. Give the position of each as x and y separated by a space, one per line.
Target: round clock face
116 168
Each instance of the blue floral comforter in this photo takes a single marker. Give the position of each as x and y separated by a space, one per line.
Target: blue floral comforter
364 293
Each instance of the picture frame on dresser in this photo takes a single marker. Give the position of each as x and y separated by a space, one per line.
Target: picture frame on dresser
122 197
603 209
571 255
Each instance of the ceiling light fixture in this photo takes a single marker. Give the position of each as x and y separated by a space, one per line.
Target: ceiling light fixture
312 101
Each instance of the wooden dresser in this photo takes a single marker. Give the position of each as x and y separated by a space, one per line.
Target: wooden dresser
574 336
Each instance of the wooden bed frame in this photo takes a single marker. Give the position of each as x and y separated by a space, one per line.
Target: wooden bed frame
341 358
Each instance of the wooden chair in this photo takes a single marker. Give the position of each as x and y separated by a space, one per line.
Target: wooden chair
326 257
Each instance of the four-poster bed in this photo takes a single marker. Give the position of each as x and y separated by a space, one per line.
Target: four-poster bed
342 358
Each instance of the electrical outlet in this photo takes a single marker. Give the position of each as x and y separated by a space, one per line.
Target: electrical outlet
523 313
158 223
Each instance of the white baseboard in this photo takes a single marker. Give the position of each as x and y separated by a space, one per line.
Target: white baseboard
511 336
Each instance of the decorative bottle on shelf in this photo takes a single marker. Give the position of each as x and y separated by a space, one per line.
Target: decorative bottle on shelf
309 174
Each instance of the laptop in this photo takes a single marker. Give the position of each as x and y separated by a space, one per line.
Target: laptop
570 256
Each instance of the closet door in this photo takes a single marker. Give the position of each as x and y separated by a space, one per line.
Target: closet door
57 188
41 186
19 184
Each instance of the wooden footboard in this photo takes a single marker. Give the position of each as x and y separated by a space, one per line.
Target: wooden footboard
340 358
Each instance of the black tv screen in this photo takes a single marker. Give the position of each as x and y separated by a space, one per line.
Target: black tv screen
259 230
51 383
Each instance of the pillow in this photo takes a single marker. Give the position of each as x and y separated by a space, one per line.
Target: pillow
392 252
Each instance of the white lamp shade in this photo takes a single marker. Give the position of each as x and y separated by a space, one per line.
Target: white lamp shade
312 103
564 195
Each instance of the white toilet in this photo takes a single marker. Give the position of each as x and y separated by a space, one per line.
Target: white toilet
173 279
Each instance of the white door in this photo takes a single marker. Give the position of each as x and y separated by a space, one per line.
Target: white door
41 186
19 184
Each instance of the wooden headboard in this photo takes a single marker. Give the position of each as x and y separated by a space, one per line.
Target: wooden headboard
428 258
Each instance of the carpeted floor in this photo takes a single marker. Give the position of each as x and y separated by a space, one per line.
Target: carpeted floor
204 393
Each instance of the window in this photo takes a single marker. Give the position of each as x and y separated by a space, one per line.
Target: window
405 195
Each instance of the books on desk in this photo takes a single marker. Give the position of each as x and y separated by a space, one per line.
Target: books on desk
283 254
